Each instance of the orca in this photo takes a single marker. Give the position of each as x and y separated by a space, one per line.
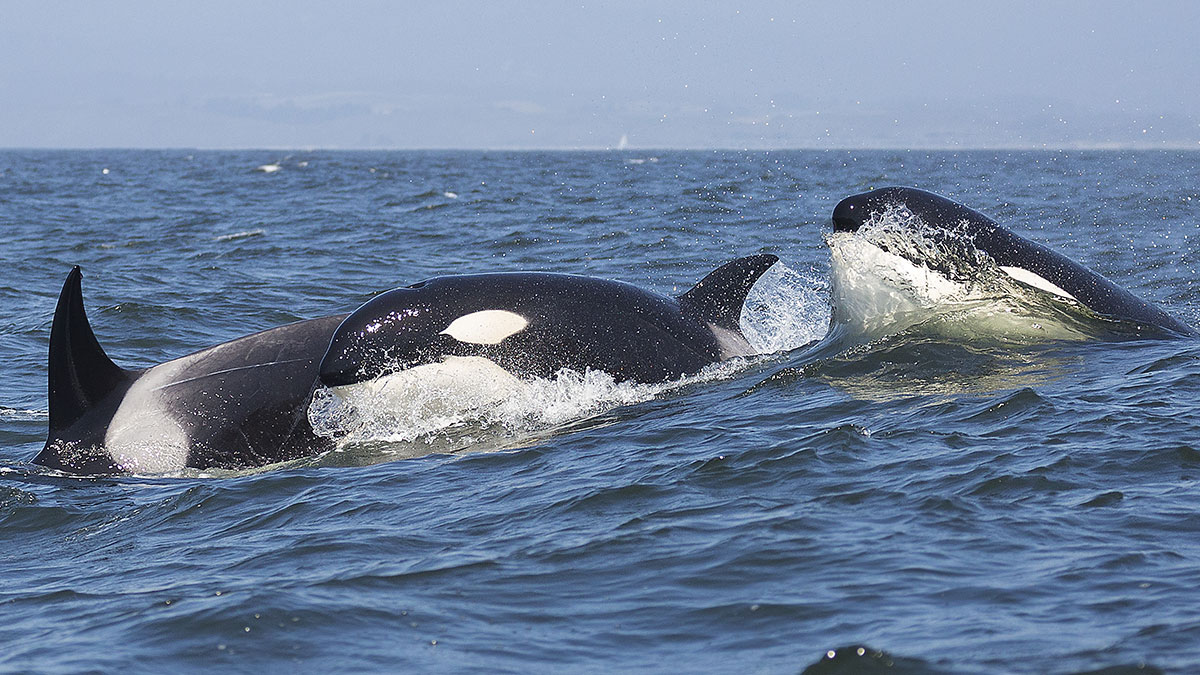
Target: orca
531 324
238 404
1031 264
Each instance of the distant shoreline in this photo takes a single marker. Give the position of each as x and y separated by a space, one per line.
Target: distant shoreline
634 151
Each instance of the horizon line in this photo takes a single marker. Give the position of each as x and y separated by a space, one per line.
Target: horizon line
1048 147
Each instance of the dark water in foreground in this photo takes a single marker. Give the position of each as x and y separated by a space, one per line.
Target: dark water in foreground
963 506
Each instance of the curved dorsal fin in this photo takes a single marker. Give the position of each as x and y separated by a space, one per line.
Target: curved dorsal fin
718 298
81 374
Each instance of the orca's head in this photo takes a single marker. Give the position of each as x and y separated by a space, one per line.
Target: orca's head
417 325
390 332
933 231
935 211
899 253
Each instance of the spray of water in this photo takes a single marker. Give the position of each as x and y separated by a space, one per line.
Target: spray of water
786 310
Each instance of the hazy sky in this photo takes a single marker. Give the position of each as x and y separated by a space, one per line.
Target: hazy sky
304 74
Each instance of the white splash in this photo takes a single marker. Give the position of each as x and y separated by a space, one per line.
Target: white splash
433 399
233 236
27 415
875 292
785 310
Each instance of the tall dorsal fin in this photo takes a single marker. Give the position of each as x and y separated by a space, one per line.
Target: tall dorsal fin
81 374
718 298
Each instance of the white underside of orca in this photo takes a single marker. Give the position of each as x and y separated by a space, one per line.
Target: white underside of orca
143 436
433 388
731 342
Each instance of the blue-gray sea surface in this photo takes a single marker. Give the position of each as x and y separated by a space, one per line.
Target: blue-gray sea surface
962 506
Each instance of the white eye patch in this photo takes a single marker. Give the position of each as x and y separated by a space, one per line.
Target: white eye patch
1030 279
487 327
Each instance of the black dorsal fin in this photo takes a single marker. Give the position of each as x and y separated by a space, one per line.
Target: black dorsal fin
81 374
718 298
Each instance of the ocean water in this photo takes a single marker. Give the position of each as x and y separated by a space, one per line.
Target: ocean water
929 500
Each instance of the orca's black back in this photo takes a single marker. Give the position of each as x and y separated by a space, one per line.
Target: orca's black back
245 402
575 322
